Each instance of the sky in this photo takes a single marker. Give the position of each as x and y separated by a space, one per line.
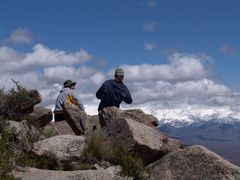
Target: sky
176 54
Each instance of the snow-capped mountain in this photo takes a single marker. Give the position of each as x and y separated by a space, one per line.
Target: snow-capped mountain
186 117
217 129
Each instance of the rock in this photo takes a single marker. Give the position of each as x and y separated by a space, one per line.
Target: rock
33 97
133 114
145 141
91 124
75 117
111 170
195 162
139 116
114 170
24 134
63 127
43 115
63 147
50 130
38 174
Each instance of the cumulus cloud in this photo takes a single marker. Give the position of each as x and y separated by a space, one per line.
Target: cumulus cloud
182 82
149 46
150 26
20 36
225 49
40 57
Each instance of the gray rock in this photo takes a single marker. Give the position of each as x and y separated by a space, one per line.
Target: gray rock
133 114
134 136
43 115
25 134
63 127
75 117
38 174
92 124
50 130
195 162
63 147
148 143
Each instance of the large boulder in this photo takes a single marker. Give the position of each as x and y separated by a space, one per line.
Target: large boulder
75 117
33 97
24 134
145 141
133 114
63 147
195 162
43 115
39 174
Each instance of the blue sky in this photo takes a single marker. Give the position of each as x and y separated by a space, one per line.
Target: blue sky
124 32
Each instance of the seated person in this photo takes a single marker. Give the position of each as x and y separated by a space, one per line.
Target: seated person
66 93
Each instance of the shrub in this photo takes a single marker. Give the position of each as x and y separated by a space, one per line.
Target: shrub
9 106
6 158
99 148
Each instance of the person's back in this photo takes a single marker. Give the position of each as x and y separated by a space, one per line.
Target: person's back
113 92
66 93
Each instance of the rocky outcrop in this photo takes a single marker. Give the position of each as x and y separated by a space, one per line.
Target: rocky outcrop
43 115
133 114
24 134
38 174
32 98
145 141
75 117
63 147
195 162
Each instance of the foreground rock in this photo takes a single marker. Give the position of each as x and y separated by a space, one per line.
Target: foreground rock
38 174
195 162
63 147
43 115
147 142
75 117
133 114
24 134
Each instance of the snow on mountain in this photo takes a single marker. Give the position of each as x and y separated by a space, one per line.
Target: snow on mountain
186 117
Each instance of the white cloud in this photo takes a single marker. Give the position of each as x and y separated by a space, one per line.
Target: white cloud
20 36
149 46
181 83
150 26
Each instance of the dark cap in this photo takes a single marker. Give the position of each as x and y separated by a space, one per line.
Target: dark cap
69 83
119 72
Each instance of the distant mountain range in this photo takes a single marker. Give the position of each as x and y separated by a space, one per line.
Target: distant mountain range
218 130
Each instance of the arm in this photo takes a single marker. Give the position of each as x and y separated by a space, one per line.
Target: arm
100 91
78 102
127 98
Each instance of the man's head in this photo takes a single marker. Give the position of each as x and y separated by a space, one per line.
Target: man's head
119 74
70 84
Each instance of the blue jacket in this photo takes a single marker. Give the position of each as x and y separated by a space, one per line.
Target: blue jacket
112 93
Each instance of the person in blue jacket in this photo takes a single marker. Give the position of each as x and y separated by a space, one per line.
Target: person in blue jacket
114 91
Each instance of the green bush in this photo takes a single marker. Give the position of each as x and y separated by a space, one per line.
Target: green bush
11 101
6 154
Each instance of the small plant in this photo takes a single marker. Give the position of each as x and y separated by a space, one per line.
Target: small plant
99 148
6 159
